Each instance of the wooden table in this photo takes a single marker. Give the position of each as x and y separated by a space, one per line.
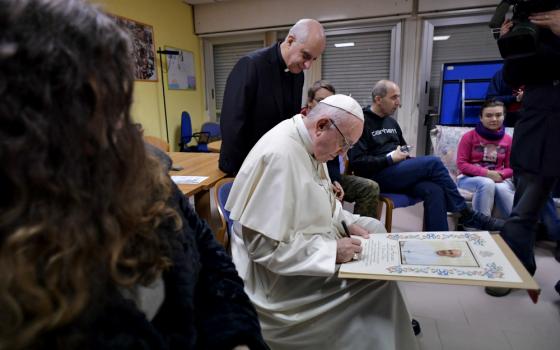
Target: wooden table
198 164
215 146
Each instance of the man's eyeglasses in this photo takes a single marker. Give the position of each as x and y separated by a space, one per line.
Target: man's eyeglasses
347 144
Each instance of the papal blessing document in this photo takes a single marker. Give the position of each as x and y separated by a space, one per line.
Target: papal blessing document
473 256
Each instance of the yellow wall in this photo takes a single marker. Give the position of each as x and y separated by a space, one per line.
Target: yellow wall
172 21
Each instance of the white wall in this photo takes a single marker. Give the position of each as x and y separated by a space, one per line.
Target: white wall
257 14
442 5
409 116
226 16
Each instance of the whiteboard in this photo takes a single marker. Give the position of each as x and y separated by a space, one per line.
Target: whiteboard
180 70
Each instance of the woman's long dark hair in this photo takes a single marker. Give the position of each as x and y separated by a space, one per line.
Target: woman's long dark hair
79 199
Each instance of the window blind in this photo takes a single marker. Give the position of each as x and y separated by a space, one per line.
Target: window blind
353 70
225 57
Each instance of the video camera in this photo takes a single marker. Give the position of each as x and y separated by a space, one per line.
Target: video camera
523 38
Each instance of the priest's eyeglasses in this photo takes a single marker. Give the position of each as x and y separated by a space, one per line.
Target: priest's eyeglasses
347 144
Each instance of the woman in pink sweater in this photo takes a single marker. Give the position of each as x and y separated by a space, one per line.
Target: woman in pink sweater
483 161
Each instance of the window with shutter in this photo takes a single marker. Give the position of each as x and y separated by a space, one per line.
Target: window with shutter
354 69
225 57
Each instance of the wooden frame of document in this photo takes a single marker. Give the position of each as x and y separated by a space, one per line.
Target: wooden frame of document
495 264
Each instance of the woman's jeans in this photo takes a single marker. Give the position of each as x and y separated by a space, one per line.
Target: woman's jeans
487 193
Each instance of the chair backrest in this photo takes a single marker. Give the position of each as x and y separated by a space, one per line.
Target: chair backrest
157 142
345 166
394 201
201 138
213 130
221 194
401 200
186 128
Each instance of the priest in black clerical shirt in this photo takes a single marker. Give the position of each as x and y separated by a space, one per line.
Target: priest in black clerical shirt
264 88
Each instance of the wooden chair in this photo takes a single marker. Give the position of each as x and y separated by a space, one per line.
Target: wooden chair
221 194
157 142
394 201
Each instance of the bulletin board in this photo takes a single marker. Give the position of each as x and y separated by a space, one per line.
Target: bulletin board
143 48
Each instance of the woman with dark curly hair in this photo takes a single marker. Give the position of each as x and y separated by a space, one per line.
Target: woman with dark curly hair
98 249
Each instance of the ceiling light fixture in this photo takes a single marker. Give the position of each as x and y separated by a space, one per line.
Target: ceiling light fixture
343 44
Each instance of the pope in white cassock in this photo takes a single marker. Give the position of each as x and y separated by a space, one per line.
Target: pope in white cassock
288 240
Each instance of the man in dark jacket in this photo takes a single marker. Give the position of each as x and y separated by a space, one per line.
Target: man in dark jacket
502 91
264 88
499 90
381 154
534 156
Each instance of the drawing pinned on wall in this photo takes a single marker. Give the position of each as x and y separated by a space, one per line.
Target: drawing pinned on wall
180 70
143 48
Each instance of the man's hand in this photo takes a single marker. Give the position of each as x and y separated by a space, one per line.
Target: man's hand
358 230
397 155
494 175
518 95
506 26
346 248
549 19
338 191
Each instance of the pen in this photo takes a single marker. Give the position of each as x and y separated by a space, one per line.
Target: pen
345 229
356 256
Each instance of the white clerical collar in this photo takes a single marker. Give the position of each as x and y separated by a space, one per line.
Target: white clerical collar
303 133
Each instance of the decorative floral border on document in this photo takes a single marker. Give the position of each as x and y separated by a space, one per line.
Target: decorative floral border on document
491 271
382 256
471 237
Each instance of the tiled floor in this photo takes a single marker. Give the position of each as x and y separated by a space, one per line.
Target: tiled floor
464 317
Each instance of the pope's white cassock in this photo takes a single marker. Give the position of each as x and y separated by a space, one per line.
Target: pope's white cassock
283 202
